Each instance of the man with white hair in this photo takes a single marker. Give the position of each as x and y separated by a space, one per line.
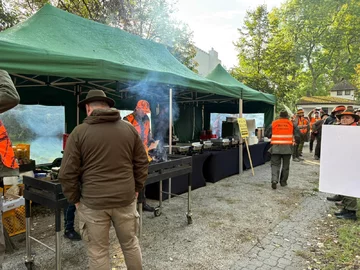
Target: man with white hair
103 169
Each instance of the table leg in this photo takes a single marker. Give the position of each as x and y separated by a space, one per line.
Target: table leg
189 214
58 237
29 259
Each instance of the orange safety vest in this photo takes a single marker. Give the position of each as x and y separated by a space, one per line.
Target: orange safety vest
143 128
313 120
6 152
282 132
302 125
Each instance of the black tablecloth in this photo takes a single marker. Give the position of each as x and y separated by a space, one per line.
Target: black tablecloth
179 184
221 164
258 154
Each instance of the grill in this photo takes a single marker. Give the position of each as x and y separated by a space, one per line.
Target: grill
175 165
48 194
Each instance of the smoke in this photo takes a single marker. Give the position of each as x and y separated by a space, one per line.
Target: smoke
158 97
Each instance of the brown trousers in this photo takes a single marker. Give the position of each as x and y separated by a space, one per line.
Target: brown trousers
94 230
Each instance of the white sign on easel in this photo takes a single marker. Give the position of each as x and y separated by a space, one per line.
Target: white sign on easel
339 162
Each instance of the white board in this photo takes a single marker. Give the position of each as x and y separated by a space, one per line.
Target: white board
339 162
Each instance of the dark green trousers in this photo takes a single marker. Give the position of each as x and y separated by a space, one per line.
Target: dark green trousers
350 203
303 139
278 170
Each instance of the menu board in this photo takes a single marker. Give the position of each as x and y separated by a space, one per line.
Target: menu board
244 132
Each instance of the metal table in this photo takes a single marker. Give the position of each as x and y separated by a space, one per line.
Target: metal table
49 194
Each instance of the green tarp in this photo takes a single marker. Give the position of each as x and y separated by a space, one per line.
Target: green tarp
220 75
58 43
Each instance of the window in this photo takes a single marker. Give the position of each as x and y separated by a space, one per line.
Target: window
347 92
339 92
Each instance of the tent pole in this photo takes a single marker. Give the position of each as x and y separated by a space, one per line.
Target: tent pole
241 158
170 132
202 118
77 102
274 112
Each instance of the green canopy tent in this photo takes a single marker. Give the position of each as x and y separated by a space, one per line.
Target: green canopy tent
254 101
55 56
194 119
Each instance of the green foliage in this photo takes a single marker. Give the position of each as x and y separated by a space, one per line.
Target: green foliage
302 48
7 18
150 19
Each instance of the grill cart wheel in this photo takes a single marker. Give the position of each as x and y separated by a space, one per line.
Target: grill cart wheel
29 265
189 219
157 212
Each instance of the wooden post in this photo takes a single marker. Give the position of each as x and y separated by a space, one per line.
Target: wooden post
247 148
241 151
244 134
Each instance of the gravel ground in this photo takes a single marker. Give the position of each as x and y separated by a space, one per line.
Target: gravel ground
238 223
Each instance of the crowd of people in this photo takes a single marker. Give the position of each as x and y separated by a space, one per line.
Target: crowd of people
288 137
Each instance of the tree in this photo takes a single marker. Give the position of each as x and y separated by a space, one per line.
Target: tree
150 19
252 48
301 48
7 18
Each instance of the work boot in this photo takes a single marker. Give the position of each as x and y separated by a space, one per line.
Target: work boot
341 212
296 159
349 215
300 158
316 158
336 198
273 185
283 184
148 208
72 235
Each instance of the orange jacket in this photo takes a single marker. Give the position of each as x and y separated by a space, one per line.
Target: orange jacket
313 120
142 127
303 125
6 152
282 131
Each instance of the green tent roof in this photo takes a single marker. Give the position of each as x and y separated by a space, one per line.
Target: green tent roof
57 43
220 75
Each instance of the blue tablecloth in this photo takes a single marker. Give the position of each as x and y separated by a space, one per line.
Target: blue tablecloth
225 163
179 184
258 154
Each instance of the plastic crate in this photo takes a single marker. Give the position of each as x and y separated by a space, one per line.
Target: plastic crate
14 221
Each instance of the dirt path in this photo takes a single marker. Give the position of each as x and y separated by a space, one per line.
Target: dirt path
238 223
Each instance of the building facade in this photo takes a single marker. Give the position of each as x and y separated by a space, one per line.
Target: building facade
343 89
326 103
207 61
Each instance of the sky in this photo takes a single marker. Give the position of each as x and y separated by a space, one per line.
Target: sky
215 22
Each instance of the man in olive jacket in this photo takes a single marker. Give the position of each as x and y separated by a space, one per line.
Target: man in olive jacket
9 98
103 169
281 153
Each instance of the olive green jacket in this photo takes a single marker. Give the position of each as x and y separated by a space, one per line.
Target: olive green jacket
9 98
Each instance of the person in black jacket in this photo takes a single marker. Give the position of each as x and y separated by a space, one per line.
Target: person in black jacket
332 120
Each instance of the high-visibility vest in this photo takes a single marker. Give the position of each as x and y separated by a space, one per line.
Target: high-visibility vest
143 128
303 125
6 152
313 120
282 131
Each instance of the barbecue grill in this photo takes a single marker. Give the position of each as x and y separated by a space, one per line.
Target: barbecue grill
175 165
49 194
